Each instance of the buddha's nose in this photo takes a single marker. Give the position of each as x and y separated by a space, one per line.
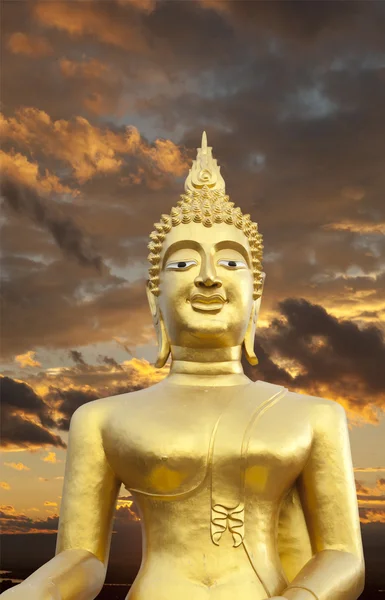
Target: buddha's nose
207 276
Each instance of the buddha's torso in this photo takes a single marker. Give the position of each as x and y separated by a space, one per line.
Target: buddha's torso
158 443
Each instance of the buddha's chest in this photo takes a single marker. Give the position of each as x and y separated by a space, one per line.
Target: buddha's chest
168 446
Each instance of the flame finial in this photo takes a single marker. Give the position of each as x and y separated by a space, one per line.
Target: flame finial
204 171
204 143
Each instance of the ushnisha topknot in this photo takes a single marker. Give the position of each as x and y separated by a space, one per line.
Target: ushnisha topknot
206 202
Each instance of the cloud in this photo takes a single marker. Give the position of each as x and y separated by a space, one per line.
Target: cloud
50 504
91 150
25 418
357 227
369 469
111 362
28 45
24 199
301 23
4 485
87 149
93 308
331 357
71 388
372 515
13 522
18 466
17 167
371 497
51 458
146 6
97 83
77 358
85 69
125 513
102 23
27 360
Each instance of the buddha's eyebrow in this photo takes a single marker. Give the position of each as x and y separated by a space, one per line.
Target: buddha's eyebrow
232 245
194 245
181 245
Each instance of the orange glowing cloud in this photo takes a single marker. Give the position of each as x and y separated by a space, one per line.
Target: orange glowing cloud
33 46
13 522
94 381
362 227
146 6
86 69
371 502
92 71
166 155
18 466
88 149
18 167
5 485
80 19
7 509
368 469
372 516
128 512
49 503
51 458
27 359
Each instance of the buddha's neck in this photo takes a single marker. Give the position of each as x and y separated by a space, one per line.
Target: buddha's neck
207 366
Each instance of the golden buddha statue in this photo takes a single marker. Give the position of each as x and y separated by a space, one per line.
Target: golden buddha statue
244 489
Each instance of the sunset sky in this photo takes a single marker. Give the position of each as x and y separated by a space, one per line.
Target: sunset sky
103 104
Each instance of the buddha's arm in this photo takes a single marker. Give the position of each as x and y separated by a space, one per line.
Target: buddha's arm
293 537
90 492
328 495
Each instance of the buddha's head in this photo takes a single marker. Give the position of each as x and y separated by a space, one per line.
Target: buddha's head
205 280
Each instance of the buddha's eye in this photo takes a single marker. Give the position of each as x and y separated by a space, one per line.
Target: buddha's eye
180 265
232 264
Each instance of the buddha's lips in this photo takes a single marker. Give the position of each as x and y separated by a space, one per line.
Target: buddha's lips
213 299
207 303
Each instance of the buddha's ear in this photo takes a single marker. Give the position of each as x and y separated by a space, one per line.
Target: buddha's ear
248 342
163 343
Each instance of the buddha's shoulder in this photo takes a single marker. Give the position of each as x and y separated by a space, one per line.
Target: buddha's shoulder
315 407
100 409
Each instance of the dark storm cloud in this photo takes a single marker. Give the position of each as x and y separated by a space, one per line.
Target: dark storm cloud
330 354
77 357
344 349
18 398
111 362
267 368
302 22
24 200
20 523
67 393
67 401
45 306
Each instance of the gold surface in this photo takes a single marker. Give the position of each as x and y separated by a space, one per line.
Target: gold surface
244 489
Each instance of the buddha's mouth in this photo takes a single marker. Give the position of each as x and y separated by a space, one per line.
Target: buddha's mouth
214 302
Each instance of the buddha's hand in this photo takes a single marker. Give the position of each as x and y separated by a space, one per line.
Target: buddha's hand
26 590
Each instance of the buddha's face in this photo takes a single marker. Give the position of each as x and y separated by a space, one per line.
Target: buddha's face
206 285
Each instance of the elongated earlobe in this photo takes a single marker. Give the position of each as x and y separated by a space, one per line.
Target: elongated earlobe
248 342
163 343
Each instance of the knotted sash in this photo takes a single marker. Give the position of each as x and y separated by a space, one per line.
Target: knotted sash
229 457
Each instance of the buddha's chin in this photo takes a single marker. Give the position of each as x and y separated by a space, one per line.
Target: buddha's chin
208 329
